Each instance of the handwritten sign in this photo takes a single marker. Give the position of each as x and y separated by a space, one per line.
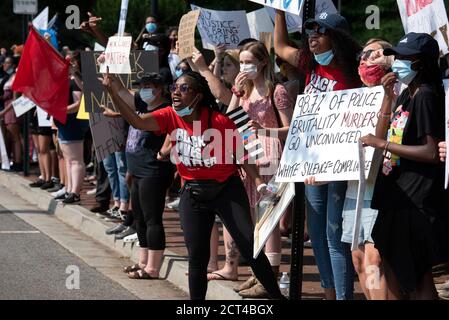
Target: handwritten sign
141 62
108 134
292 6
43 118
186 34
446 88
22 105
426 16
117 55
222 27
268 220
324 133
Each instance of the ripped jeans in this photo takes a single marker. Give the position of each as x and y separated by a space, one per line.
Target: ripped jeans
324 220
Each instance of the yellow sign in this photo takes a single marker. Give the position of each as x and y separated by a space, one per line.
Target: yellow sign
82 114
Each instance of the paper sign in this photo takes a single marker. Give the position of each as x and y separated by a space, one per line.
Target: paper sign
259 21
269 219
122 19
294 21
186 34
426 16
4 153
108 134
95 95
324 133
43 118
22 105
292 6
222 27
360 200
117 55
82 114
446 89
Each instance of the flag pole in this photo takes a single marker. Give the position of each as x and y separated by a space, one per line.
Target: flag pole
26 129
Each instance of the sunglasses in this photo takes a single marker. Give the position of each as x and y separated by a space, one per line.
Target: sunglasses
320 31
365 55
183 88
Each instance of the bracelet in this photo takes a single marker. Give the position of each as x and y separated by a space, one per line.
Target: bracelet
386 149
237 92
260 186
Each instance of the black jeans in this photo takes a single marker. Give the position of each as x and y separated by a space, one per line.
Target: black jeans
232 206
148 201
103 193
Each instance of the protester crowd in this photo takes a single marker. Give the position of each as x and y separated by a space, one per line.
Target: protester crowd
404 225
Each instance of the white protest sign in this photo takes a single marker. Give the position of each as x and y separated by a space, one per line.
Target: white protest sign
324 133
122 19
22 105
117 56
446 89
41 21
270 218
292 6
108 134
222 27
426 16
360 199
43 118
294 21
4 153
259 21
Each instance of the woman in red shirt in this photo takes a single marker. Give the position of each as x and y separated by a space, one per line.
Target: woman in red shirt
203 152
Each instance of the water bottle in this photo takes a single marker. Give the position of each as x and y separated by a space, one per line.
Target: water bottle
284 284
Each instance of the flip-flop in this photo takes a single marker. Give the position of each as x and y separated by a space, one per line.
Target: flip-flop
220 277
140 274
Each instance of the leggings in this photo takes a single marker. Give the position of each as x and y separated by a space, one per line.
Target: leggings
148 201
232 206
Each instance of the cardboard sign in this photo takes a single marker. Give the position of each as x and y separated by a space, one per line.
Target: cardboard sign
43 118
259 21
94 93
117 56
426 16
446 89
294 21
292 6
222 27
22 105
108 134
324 133
186 34
268 220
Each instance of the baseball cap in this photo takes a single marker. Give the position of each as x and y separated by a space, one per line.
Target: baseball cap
151 77
414 44
329 20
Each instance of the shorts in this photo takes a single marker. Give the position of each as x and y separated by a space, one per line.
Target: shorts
368 220
69 141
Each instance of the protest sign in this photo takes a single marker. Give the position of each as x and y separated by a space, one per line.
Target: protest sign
259 21
294 21
22 105
446 89
292 6
122 19
4 153
117 56
82 114
141 62
426 16
360 199
186 34
324 132
108 134
268 220
43 118
222 27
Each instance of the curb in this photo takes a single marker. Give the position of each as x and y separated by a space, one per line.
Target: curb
174 266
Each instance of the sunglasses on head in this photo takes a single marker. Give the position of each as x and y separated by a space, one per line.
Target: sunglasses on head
317 30
183 88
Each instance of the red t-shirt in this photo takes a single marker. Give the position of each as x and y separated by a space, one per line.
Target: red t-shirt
199 157
325 79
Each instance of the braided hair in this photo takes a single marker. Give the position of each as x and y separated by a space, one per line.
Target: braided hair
202 86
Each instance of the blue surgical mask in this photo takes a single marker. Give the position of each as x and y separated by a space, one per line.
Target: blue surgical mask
179 73
147 95
151 27
10 71
325 58
187 111
403 70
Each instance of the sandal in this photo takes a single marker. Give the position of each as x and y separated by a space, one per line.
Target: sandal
218 276
134 267
140 274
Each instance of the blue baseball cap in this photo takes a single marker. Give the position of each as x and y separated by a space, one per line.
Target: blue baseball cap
415 44
332 21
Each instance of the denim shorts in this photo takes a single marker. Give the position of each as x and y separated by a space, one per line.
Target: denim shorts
368 220
69 141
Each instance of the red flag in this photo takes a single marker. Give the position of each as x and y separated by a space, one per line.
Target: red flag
43 76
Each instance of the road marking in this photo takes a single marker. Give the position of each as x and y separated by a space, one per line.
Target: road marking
19 232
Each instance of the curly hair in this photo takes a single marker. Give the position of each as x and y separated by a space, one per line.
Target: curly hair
202 86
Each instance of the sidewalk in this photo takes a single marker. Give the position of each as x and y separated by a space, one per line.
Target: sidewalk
175 263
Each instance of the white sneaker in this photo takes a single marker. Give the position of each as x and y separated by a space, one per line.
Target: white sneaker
174 205
58 193
131 238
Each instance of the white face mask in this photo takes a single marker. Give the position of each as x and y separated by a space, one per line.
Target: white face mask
147 95
250 69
